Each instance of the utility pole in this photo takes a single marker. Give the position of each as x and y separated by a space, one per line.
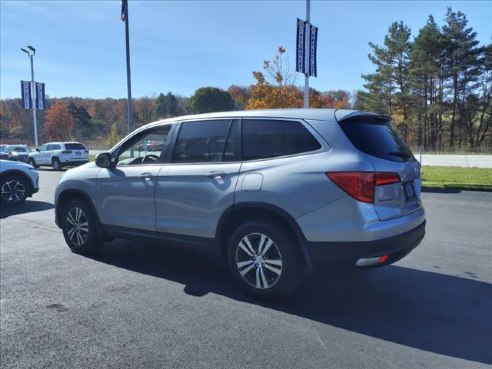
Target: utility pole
125 18
31 53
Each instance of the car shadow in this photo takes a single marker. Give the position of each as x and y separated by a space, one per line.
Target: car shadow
434 312
29 206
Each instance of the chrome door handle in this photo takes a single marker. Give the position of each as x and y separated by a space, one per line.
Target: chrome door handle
216 174
147 176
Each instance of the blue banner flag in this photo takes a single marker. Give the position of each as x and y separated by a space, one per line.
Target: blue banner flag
124 10
40 97
26 94
313 44
300 46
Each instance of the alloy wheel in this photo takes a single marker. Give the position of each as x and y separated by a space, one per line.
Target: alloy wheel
77 226
13 191
258 260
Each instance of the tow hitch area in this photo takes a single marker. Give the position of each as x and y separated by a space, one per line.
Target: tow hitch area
371 261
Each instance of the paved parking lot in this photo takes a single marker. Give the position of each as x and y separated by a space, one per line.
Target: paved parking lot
139 305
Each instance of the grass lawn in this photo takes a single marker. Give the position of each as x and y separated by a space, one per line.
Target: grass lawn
457 178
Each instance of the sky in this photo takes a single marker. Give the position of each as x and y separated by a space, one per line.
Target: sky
180 46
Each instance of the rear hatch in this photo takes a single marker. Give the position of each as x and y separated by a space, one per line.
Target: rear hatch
373 135
76 151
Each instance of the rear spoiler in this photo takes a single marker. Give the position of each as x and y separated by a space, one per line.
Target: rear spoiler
360 116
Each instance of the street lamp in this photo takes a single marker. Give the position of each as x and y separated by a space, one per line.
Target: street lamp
31 52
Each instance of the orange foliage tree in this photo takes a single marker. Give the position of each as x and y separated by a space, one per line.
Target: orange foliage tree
275 88
58 123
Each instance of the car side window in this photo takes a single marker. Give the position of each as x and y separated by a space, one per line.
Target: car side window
49 148
206 141
56 147
268 138
146 148
43 148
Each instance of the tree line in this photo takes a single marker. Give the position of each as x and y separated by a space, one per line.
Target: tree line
436 86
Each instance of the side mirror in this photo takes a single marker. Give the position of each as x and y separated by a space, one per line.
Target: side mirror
37 148
103 160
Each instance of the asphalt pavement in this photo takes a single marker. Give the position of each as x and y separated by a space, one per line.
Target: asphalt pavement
138 305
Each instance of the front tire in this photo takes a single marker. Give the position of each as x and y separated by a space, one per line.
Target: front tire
14 190
264 259
55 163
80 228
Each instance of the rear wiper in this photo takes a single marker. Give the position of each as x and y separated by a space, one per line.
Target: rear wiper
401 154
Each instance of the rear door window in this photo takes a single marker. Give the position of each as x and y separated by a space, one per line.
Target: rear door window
376 138
206 141
269 138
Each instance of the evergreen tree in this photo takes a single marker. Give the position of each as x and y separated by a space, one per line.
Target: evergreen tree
462 66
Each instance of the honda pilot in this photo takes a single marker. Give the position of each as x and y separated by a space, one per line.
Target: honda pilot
275 192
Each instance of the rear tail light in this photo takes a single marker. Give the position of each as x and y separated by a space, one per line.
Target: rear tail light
66 151
361 185
383 178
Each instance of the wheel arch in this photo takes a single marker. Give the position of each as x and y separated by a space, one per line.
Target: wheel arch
240 213
72 194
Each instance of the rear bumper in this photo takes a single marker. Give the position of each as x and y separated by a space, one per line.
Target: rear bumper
347 253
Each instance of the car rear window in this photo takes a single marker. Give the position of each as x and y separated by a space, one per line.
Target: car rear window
19 149
75 146
268 138
377 138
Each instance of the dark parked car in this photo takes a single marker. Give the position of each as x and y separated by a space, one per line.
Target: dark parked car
15 153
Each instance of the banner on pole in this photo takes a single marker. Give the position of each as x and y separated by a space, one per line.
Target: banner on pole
38 101
26 93
40 96
300 46
313 44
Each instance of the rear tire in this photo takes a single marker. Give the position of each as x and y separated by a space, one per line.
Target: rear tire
79 226
264 259
56 164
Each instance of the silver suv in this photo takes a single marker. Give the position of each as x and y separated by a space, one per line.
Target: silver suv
275 192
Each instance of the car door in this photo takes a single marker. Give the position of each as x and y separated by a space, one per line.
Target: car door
43 155
197 184
125 191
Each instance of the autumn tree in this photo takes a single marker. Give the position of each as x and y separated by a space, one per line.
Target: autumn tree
82 121
113 136
211 99
58 124
274 86
240 95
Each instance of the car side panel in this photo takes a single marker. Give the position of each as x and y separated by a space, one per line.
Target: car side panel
190 200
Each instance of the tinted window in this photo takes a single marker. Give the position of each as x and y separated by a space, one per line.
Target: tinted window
19 149
75 146
377 139
205 141
271 138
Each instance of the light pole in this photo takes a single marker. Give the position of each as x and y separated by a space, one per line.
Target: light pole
31 52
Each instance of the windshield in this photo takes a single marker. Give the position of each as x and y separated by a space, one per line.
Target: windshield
19 149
